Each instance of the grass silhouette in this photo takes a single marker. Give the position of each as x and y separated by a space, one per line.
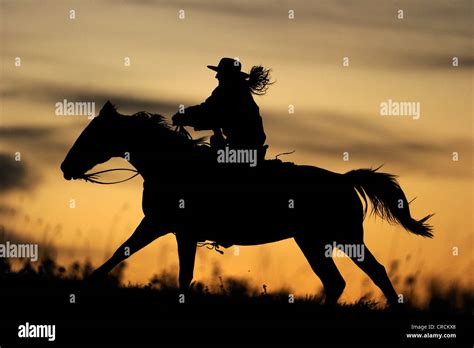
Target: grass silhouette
231 307
117 312
47 275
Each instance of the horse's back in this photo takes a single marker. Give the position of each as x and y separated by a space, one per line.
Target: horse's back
271 189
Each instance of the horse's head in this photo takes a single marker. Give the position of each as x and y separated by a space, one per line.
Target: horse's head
97 144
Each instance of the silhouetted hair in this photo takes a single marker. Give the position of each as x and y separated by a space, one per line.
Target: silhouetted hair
259 80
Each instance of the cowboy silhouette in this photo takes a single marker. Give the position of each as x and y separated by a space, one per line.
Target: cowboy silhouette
231 111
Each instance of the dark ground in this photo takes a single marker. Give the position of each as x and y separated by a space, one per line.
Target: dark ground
236 314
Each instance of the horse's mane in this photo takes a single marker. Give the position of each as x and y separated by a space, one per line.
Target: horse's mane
154 118
160 123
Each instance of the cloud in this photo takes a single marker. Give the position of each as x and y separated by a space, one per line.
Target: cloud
350 14
49 92
13 174
38 146
42 141
7 210
408 155
18 132
431 30
369 144
324 134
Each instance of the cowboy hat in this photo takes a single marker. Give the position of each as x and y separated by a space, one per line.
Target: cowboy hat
229 66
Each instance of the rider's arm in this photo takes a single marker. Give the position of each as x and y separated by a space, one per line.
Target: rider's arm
205 116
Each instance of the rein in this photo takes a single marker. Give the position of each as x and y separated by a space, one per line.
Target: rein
181 130
92 177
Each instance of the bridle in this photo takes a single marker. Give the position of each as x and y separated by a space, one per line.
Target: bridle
93 177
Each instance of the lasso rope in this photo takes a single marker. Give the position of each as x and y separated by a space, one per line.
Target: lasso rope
92 177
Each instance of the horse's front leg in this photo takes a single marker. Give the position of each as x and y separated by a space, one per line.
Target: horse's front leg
147 231
186 254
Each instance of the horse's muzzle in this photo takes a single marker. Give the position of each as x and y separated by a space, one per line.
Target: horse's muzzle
66 173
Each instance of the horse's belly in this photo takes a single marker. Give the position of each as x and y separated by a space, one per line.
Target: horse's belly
247 232
245 215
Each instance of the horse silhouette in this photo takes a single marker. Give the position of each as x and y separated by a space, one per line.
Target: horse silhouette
188 193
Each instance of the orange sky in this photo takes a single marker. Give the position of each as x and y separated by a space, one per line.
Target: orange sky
336 110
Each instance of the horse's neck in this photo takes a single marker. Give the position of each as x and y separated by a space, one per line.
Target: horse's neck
153 150
155 167
156 164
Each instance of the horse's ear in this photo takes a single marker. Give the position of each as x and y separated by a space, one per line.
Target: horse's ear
108 109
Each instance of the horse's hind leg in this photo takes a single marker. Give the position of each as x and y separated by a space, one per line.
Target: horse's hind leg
146 232
377 273
324 267
186 254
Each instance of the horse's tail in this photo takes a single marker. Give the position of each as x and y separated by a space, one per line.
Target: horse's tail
388 200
